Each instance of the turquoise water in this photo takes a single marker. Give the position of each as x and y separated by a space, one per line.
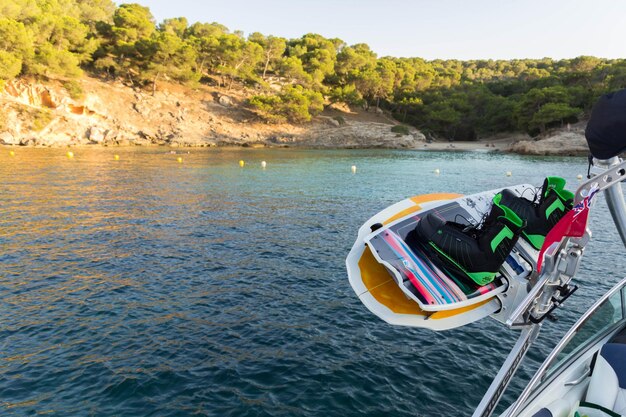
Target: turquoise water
148 287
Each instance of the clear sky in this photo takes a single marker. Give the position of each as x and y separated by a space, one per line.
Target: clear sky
478 29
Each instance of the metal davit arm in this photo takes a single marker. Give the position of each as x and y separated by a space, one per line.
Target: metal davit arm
615 198
505 374
617 207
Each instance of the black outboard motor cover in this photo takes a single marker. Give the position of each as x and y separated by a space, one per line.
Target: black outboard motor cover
606 130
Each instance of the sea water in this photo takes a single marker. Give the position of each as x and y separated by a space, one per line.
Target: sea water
146 285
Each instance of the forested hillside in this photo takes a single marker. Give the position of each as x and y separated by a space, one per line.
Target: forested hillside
292 79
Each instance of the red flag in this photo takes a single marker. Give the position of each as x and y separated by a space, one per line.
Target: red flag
573 224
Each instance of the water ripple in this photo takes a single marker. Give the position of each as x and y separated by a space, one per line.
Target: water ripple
147 287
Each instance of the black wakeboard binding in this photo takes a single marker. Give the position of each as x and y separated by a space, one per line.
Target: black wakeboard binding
544 212
476 252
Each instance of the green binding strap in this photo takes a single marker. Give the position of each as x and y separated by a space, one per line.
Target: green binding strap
554 183
535 240
480 278
557 204
558 185
509 214
503 234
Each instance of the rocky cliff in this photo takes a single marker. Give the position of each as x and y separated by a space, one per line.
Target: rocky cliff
113 114
569 141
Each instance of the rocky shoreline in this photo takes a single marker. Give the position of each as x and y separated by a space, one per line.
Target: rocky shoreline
112 114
